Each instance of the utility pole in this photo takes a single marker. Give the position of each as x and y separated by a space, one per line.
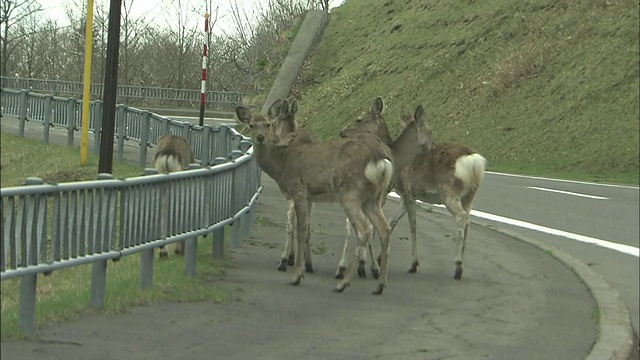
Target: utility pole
110 88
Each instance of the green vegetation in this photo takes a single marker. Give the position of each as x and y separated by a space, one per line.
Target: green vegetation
538 87
22 158
65 294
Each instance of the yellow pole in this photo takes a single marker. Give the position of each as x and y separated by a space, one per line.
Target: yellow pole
86 95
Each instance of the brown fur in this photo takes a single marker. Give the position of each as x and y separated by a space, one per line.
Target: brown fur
172 154
351 172
432 177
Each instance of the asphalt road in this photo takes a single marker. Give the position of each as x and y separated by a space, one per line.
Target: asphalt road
598 211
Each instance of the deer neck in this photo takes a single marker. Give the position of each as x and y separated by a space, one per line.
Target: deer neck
270 158
404 148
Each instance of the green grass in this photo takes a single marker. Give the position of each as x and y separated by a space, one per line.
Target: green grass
538 87
64 294
21 158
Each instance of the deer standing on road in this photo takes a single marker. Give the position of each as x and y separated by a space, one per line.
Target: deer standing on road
354 172
447 173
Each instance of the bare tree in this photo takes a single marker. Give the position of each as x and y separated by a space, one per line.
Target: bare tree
13 12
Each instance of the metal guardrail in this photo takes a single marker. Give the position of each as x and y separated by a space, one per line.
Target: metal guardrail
132 124
129 93
46 227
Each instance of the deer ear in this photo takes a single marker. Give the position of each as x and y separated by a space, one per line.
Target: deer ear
244 114
378 105
419 115
293 107
274 110
284 107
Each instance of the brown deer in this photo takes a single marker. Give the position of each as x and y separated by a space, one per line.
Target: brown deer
398 147
172 154
354 172
284 131
447 173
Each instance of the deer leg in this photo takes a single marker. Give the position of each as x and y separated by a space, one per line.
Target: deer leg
308 266
287 257
462 222
179 247
399 214
410 208
375 267
376 217
363 232
302 228
342 265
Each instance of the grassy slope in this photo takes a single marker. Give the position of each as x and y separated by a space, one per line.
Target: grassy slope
543 87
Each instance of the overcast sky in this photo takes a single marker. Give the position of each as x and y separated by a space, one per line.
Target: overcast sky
157 11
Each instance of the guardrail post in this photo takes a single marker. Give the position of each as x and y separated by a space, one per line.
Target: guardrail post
99 272
71 120
218 234
236 228
144 137
191 244
48 114
146 257
206 145
28 285
245 145
122 130
24 98
98 125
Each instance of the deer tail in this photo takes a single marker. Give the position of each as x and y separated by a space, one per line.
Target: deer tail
379 172
167 163
470 170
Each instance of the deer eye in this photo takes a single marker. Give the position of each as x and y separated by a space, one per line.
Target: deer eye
358 121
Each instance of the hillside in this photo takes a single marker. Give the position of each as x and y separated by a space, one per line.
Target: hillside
542 87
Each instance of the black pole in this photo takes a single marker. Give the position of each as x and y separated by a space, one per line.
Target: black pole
110 86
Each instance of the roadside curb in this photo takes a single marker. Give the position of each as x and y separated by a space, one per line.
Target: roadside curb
615 333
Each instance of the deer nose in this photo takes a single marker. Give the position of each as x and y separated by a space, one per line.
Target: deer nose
260 138
343 134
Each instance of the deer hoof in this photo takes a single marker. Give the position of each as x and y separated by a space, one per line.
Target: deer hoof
414 268
308 268
340 273
361 272
296 281
291 261
379 290
340 288
282 266
458 273
375 273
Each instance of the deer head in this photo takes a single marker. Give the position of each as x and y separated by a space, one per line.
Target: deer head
371 122
258 124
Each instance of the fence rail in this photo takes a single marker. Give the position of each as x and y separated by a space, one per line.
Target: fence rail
129 94
46 227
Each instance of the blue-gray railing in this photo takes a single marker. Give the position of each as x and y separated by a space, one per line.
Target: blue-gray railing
46 227
129 93
132 124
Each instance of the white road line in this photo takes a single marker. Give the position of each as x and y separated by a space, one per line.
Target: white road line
568 193
625 249
562 180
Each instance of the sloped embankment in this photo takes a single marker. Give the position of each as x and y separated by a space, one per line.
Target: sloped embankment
552 85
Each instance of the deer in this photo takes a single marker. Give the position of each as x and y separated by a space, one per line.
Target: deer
284 130
447 173
398 149
172 154
356 173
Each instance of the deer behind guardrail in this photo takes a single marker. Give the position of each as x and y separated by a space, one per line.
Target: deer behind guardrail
354 172
447 173
172 154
